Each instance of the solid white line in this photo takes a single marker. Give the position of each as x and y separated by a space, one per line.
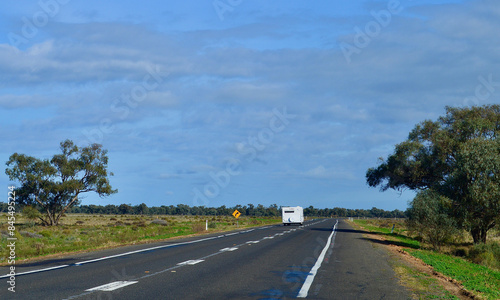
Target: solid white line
310 278
36 271
111 286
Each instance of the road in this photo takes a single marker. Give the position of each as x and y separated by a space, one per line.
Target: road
323 259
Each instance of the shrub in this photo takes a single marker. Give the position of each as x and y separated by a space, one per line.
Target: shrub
31 213
486 254
159 222
429 216
212 225
198 227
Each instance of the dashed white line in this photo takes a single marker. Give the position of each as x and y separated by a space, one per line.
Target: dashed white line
252 242
228 249
190 262
143 250
111 286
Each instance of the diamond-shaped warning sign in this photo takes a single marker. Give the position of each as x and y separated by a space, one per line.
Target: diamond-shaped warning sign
236 214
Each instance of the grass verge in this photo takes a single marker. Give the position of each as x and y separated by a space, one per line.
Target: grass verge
473 277
482 281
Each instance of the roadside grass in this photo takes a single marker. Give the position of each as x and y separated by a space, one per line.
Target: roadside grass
482 280
80 232
473 277
423 285
384 227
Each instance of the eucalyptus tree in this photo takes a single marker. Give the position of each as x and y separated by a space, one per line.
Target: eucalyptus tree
55 185
458 157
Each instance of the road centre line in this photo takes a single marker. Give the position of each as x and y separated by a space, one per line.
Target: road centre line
179 265
143 250
191 262
229 249
310 278
124 254
138 251
111 286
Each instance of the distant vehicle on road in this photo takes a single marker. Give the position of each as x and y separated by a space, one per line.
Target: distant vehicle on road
292 215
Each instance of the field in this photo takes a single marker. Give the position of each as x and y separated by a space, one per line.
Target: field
80 232
474 268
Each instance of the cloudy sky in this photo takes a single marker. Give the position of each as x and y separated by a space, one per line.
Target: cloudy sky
231 102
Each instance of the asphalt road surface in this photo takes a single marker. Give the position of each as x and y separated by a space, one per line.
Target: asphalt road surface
323 259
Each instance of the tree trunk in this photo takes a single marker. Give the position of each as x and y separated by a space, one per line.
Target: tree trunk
65 209
479 234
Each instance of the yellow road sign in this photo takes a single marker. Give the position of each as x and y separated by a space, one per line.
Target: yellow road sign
236 214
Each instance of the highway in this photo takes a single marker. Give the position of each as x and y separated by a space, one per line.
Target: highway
323 259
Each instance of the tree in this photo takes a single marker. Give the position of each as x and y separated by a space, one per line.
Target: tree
429 215
458 157
55 185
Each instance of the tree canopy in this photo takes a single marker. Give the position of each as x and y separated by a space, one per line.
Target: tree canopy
54 185
458 157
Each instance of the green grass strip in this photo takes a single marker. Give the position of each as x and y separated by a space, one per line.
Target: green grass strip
473 277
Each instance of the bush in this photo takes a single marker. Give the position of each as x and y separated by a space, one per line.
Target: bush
31 213
159 222
429 216
486 254
198 227
212 225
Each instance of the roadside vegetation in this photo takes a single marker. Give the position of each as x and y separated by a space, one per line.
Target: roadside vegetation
475 266
81 232
454 166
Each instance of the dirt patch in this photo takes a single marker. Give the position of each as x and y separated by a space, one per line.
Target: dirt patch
450 284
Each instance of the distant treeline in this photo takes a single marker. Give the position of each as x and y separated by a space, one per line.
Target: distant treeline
246 210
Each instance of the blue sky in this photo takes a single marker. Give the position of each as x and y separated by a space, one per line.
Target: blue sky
236 101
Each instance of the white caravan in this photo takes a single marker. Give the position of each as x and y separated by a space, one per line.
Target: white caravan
292 215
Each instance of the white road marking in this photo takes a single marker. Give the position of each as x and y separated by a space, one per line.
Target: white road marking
191 262
111 286
310 278
268 237
253 242
229 249
142 250
36 271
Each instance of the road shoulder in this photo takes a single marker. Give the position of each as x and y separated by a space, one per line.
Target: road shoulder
421 279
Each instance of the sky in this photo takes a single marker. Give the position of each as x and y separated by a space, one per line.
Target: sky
232 102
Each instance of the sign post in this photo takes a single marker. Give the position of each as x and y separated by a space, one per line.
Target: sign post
236 214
